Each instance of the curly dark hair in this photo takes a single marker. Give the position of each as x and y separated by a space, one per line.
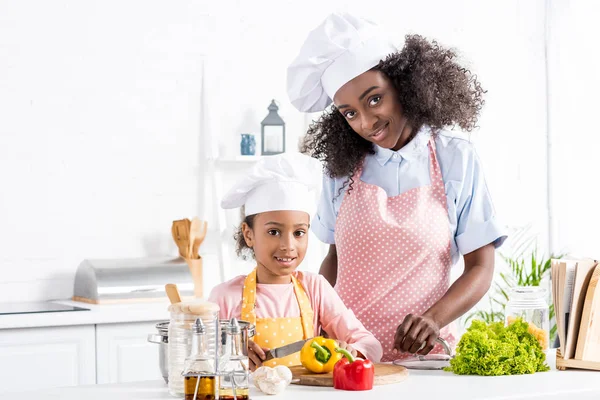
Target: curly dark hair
242 249
433 89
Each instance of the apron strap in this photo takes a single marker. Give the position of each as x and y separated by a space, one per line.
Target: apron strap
306 311
249 298
435 172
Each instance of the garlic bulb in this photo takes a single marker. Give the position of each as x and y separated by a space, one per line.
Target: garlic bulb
259 375
284 373
272 380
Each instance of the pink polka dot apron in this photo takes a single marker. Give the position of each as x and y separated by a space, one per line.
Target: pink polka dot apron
277 332
394 254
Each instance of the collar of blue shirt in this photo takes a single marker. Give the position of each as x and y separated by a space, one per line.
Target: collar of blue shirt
408 152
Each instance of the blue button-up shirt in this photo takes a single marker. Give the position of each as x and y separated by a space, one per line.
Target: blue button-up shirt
473 222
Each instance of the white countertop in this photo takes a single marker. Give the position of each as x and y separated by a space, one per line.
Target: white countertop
97 314
552 385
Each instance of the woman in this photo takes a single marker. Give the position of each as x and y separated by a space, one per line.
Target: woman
402 197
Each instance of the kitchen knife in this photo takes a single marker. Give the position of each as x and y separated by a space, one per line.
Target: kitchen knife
429 361
285 350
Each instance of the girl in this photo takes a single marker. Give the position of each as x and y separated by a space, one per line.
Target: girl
403 199
285 305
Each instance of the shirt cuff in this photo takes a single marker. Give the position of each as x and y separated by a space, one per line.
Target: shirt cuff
370 348
480 235
323 233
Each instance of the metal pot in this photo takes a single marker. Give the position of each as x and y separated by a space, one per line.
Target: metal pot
162 339
247 330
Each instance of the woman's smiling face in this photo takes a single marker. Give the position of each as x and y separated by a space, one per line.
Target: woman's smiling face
370 105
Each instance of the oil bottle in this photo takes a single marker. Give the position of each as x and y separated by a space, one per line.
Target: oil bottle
200 380
233 365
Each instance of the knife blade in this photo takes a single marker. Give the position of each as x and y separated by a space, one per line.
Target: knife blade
285 350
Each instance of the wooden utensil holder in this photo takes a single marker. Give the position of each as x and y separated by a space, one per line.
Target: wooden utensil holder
196 271
589 331
562 364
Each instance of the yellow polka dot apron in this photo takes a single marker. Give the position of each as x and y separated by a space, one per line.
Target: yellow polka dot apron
394 254
276 332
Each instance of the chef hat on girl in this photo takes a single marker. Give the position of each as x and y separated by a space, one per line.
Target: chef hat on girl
288 181
338 50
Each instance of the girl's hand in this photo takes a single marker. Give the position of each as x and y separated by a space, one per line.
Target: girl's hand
256 355
348 347
416 334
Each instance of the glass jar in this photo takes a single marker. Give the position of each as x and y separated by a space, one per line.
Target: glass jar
529 304
183 317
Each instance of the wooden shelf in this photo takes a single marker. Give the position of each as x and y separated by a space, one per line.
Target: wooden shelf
238 160
562 364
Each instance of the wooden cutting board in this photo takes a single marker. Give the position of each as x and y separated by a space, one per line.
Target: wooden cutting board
588 342
384 375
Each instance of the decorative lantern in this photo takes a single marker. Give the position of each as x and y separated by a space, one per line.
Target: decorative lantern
272 132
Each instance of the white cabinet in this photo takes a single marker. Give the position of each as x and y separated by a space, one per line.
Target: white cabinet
123 353
39 358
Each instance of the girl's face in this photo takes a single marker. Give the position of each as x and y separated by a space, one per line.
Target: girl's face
279 240
370 105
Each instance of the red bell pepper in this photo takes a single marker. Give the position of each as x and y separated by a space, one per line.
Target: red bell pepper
351 374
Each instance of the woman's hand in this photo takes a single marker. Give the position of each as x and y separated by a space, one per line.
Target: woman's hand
256 355
416 334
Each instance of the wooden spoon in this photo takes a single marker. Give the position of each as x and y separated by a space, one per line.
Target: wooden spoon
180 231
198 230
173 293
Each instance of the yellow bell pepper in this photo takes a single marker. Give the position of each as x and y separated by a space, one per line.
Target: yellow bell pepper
318 355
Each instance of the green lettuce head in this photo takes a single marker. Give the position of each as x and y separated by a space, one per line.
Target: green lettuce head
498 350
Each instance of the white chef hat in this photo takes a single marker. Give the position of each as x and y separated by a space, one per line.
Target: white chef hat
337 51
288 181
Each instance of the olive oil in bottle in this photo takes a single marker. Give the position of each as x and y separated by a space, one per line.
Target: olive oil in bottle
200 381
205 390
233 379
238 397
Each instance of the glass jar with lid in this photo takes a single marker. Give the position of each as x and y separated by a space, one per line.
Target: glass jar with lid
183 317
529 304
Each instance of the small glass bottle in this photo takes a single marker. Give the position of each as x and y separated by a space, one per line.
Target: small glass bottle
183 317
251 145
200 380
244 145
233 365
529 304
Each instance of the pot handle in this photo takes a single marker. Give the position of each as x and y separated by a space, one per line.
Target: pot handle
158 339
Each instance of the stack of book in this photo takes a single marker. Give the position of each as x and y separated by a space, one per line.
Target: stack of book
576 297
